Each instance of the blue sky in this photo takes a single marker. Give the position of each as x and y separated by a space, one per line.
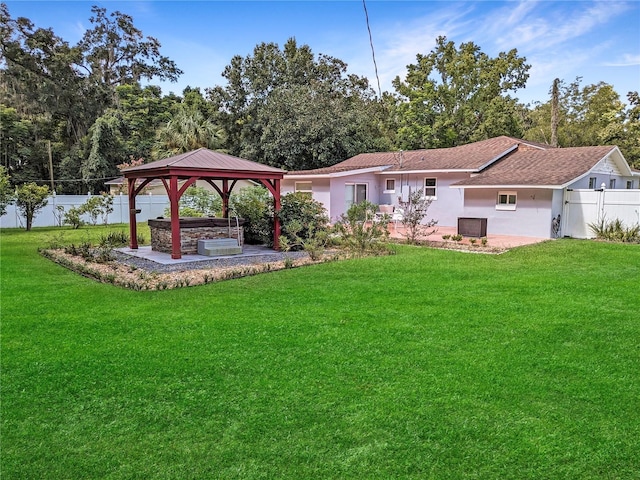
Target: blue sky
598 41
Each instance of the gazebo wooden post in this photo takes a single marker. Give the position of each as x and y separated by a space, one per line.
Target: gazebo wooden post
133 228
176 251
225 198
276 215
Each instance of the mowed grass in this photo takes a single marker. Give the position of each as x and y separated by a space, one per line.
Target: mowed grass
426 364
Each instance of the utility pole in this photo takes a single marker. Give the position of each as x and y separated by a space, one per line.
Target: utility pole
554 112
53 189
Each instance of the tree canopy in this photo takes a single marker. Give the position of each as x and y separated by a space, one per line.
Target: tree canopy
288 108
283 106
457 95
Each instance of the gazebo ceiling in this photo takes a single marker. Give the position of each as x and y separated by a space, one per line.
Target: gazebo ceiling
205 163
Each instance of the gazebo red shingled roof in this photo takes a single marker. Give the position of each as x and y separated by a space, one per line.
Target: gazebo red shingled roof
191 166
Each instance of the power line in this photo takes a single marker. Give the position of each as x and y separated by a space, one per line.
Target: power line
373 53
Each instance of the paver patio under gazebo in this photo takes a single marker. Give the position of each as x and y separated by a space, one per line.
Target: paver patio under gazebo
201 164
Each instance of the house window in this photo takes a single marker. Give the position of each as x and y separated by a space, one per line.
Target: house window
506 201
355 193
304 187
629 184
390 185
612 183
430 187
592 183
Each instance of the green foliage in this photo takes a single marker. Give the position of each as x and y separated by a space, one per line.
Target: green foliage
198 202
255 205
98 206
116 53
73 217
6 191
304 224
288 108
114 238
591 115
61 91
187 130
453 96
30 199
358 233
615 231
301 216
414 211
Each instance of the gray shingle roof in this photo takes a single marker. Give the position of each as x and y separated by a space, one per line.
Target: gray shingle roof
473 157
556 166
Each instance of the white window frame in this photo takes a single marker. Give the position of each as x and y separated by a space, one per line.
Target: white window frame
386 185
612 183
304 190
508 205
629 184
434 186
593 182
355 186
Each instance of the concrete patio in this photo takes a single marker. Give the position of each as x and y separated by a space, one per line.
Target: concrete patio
496 241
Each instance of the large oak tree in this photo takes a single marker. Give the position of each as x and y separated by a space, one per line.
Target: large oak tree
457 95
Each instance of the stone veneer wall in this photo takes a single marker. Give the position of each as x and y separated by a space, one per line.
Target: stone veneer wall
161 237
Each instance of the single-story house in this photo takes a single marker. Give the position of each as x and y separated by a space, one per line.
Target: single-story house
509 185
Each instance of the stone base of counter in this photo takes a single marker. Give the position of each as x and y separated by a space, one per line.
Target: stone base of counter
193 229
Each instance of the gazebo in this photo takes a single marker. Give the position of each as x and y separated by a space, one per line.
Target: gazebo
181 171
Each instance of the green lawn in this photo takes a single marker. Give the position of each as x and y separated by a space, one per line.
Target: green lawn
426 364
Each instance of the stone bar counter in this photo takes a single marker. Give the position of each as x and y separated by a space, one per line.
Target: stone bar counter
193 229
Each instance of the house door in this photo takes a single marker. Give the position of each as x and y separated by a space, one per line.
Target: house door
355 193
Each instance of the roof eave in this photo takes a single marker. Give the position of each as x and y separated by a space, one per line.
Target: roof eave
511 186
345 173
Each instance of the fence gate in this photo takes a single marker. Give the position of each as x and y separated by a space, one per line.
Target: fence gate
583 207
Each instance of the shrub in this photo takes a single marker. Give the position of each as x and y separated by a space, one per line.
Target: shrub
114 239
255 206
414 211
302 219
358 234
615 231
73 217
198 202
98 206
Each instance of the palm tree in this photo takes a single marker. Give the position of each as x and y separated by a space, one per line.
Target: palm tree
187 130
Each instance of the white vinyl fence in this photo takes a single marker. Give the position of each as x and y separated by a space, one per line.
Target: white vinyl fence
151 206
584 207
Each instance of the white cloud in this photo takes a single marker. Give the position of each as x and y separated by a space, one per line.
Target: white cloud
626 60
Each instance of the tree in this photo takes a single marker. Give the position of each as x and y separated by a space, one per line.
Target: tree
289 108
629 137
30 199
6 191
106 150
187 130
39 72
591 115
453 96
60 92
116 53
